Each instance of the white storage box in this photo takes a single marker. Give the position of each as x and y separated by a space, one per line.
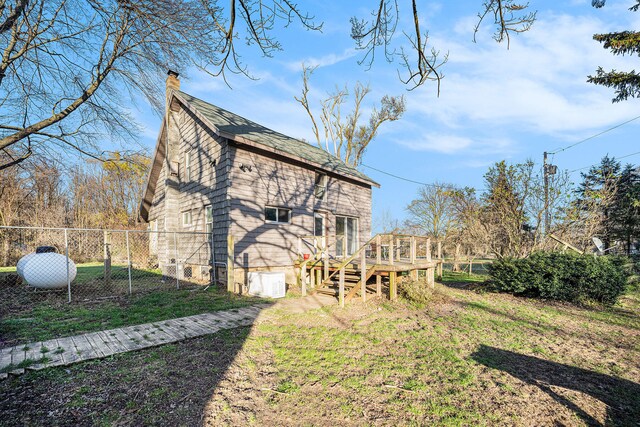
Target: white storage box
269 284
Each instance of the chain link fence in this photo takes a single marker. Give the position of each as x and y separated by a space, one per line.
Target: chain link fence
103 264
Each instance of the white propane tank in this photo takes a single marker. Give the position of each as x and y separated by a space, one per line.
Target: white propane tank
47 270
21 264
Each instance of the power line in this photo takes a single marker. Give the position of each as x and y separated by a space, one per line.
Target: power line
617 158
406 179
593 136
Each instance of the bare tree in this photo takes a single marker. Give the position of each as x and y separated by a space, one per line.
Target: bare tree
508 17
432 212
66 64
345 136
513 207
422 63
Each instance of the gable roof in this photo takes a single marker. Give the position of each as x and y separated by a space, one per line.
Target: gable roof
244 131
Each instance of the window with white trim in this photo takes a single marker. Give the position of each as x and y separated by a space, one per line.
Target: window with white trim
279 215
186 219
208 218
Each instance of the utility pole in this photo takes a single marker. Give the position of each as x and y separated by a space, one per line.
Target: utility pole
547 170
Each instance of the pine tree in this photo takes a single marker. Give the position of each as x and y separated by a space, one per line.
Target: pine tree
596 196
625 212
625 83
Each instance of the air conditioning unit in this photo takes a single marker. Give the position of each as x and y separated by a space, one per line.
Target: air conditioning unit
267 284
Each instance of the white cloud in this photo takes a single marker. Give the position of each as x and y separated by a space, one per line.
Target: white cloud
538 85
323 61
440 143
459 145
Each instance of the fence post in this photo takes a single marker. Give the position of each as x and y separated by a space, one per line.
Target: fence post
107 258
66 251
126 233
175 254
230 260
440 260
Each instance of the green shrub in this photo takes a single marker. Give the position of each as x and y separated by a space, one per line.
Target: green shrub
419 294
562 276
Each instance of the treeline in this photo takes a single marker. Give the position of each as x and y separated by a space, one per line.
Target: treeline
515 214
40 192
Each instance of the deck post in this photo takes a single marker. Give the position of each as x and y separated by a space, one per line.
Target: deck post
430 277
430 270
412 257
378 262
303 277
393 286
391 250
231 287
325 265
363 275
341 289
318 278
412 252
440 260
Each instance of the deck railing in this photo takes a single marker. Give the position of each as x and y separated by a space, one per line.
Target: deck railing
380 250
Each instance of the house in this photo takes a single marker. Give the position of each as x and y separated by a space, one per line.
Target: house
256 193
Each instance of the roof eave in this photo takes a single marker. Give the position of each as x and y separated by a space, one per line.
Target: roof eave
158 158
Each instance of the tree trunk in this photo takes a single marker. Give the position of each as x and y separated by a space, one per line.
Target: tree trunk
456 259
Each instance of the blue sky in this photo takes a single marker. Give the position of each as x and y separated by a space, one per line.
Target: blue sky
495 103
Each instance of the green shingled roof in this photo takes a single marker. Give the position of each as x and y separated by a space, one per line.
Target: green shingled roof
231 123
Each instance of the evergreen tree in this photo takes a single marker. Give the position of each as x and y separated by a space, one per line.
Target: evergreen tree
503 209
596 196
626 84
625 212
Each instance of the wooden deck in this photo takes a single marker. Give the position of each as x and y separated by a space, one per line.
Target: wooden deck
382 258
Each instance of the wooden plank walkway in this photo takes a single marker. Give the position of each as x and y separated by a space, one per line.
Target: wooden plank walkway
96 345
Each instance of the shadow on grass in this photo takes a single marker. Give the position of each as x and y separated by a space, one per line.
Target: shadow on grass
620 395
166 385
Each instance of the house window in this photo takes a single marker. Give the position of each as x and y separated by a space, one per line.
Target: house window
281 215
208 218
186 219
187 166
320 189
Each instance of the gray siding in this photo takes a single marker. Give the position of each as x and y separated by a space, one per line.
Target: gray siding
239 197
207 185
274 182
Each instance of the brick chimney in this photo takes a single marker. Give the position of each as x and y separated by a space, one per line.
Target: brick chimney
173 82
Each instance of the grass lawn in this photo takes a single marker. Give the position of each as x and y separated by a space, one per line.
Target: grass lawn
468 358
45 321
